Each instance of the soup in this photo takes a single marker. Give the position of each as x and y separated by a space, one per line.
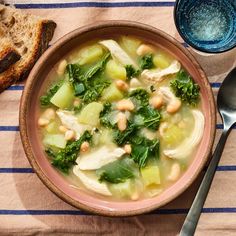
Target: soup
121 118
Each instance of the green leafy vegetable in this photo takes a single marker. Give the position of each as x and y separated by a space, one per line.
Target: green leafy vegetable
65 158
185 88
104 115
88 83
148 117
121 137
146 62
118 171
45 99
140 96
131 71
143 150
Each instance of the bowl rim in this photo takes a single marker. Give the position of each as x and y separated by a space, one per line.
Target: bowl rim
27 93
201 49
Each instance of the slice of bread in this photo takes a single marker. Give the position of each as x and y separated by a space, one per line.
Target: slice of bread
8 52
30 35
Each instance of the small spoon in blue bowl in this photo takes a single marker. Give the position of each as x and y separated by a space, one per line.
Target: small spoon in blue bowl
207 25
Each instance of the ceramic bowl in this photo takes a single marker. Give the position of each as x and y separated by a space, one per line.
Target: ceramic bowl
29 112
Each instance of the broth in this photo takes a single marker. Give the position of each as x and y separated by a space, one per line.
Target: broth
121 119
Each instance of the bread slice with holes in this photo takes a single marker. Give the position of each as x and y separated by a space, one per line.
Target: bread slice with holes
9 55
30 35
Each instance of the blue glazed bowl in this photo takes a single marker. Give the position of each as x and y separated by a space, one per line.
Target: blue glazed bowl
207 25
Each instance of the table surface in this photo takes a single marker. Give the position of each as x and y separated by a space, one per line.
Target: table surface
27 207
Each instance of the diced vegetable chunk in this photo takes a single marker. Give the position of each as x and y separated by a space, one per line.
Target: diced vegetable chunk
90 54
64 97
161 61
151 175
111 94
56 140
90 114
106 137
115 71
173 135
130 44
122 190
52 127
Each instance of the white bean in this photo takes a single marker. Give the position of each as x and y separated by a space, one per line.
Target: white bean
122 121
49 114
125 105
156 101
61 67
62 128
43 122
128 148
173 106
84 146
69 135
174 173
76 102
121 85
144 49
134 83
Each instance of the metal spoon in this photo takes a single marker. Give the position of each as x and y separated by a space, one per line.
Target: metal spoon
226 103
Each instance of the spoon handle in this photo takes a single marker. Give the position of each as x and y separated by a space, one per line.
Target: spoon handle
192 218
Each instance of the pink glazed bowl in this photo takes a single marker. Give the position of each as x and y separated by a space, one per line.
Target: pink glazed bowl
29 110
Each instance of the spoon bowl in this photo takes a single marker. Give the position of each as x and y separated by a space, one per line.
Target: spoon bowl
226 100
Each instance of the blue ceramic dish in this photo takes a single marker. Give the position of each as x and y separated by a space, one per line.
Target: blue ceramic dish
207 25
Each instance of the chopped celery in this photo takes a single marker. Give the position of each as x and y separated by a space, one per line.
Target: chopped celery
173 135
130 45
151 175
90 54
106 137
64 97
90 114
52 127
122 190
161 60
56 140
112 93
115 71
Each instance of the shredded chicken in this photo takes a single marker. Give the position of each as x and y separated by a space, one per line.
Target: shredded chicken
157 75
187 146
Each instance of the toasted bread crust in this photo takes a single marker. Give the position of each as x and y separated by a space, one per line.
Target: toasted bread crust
45 35
8 57
44 30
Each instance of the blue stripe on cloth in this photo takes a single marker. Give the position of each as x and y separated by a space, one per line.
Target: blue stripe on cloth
30 170
21 87
94 4
16 170
9 128
16 87
16 128
78 212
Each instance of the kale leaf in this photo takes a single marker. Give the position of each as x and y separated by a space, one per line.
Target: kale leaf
118 171
185 88
88 82
131 71
140 96
143 150
65 158
45 99
122 137
148 117
146 62
105 115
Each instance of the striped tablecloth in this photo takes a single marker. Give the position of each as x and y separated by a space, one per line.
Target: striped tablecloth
27 207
